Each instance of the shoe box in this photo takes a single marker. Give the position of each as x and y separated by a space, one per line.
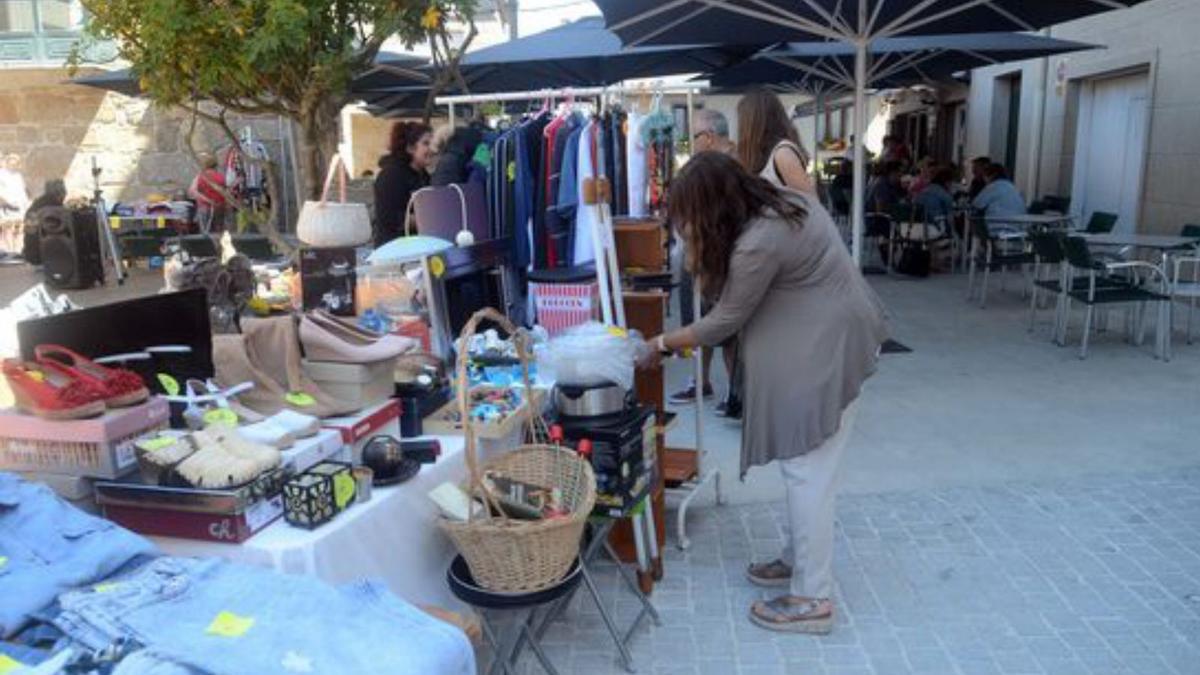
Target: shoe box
356 431
622 456
328 277
99 447
361 385
230 516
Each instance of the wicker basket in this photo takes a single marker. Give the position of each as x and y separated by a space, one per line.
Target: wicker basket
509 555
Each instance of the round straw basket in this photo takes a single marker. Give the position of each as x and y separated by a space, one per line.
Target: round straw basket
506 554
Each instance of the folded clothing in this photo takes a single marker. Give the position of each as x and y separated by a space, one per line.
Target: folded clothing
224 618
48 546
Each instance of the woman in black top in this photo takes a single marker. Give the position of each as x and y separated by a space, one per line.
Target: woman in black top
403 171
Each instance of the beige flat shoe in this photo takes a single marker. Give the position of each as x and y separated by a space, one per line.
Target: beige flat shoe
329 338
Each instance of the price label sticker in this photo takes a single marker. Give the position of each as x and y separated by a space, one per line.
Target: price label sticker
219 417
156 444
169 384
105 588
10 665
343 490
437 266
230 625
299 398
3 560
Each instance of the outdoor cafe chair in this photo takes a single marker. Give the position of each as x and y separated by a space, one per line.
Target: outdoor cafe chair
1185 286
1050 273
1101 222
1134 290
1056 204
992 253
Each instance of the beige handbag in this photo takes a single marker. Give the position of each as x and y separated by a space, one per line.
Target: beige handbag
326 224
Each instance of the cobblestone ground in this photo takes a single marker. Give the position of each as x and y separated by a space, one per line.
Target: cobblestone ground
1099 575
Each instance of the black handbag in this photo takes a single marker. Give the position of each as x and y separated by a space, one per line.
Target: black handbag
915 260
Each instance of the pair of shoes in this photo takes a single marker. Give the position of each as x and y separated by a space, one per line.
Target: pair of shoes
326 337
62 384
281 429
216 458
206 404
730 408
163 368
267 354
688 395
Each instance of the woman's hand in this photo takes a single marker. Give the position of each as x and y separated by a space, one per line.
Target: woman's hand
651 357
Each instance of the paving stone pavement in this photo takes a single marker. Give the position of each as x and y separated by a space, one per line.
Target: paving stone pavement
1095 576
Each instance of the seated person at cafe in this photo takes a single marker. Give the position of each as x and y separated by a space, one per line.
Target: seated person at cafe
936 199
885 191
999 198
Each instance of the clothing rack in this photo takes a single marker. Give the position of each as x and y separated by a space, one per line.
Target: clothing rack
607 271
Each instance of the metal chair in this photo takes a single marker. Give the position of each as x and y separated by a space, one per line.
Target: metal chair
1056 204
878 228
1133 290
992 253
1187 287
1051 274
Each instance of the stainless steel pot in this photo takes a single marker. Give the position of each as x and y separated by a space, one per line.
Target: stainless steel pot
592 400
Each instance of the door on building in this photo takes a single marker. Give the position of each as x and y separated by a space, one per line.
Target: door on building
1110 148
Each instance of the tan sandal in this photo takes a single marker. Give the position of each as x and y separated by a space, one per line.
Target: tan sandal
792 614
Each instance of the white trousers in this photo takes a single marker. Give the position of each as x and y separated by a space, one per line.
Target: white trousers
811 481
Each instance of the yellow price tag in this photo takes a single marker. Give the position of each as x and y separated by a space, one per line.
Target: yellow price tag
10 665
3 560
220 416
169 384
36 375
162 223
114 222
343 490
156 444
105 588
299 398
230 625
437 266
617 331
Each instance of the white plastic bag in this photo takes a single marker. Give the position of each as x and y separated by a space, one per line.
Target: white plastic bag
592 354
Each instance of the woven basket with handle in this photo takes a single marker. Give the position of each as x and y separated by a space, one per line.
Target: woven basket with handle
507 554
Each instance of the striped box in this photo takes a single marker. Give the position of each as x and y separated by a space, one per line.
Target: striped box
563 306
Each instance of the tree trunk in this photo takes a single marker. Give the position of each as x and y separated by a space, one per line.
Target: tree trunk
319 126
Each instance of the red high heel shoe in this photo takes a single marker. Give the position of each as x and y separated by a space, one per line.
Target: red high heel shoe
121 387
51 394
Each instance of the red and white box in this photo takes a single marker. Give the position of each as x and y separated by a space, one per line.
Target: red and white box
308 452
563 306
357 430
226 528
100 447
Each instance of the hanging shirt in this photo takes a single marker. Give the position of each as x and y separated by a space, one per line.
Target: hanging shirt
586 216
635 163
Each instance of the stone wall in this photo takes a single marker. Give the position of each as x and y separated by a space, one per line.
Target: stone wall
58 128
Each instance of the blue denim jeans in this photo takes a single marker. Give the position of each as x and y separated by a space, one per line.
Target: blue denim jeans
284 624
48 546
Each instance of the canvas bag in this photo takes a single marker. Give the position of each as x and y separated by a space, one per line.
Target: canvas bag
326 224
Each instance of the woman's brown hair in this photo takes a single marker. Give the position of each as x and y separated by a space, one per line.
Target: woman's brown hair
762 124
404 136
712 199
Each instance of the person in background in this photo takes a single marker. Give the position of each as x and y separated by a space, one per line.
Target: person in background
768 144
895 150
403 171
936 199
811 330
999 197
711 135
14 200
919 182
209 191
54 193
978 181
885 191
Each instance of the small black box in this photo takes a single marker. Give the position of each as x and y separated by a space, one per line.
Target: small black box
328 278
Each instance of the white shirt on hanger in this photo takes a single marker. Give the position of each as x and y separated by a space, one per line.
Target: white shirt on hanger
586 216
635 166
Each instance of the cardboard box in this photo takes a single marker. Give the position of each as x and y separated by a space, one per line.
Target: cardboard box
356 430
361 385
307 452
100 447
231 528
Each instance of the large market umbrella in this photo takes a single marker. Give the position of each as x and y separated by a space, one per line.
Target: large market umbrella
855 22
583 53
818 68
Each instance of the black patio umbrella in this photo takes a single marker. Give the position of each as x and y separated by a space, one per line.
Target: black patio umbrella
855 22
583 53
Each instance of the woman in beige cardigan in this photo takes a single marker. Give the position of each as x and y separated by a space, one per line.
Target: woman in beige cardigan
811 330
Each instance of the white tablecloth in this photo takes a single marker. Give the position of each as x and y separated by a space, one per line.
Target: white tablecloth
393 538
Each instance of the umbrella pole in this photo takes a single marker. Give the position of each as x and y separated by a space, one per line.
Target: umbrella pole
860 153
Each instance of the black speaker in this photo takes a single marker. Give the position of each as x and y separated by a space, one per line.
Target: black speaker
70 247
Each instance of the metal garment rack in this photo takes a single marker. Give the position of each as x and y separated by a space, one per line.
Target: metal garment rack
608 272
